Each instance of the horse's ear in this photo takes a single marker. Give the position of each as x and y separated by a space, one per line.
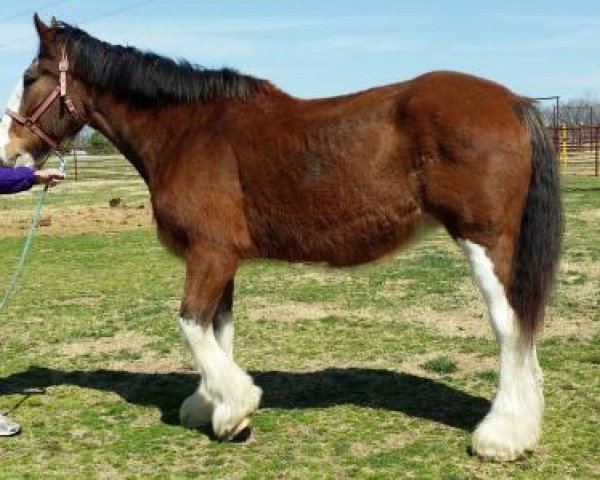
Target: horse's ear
53 22
42 29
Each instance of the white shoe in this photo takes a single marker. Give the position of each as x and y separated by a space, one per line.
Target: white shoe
8 427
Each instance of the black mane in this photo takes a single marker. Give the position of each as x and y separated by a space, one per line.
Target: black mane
148 78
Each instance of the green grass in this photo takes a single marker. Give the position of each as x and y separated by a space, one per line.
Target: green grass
441 365
360 377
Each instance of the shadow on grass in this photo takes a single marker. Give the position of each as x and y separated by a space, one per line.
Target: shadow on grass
380 389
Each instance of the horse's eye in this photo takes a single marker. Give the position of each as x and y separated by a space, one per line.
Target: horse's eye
28 80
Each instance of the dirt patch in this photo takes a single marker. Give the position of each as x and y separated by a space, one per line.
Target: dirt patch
361 449
590 216
288 312
470 322
592 269
259 310
474 322
152 363
83 184
392 442
579 285
73 220
466 322
396 441
149 361
122 341
582 329
108 472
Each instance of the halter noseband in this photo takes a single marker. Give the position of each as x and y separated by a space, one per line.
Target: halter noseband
60 91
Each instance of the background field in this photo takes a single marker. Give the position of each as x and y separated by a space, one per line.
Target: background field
380 371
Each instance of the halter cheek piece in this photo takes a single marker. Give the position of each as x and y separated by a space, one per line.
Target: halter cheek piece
60 91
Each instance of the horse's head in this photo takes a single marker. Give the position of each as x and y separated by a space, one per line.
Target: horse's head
42 111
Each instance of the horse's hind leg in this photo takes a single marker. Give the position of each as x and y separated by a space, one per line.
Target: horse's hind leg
226 395
513 424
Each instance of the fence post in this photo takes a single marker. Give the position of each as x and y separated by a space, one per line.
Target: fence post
76 166
564 152
596 151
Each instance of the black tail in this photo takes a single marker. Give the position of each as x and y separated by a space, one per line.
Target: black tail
538 247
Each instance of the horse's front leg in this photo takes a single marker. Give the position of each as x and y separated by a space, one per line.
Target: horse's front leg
227 395
223 321
197 409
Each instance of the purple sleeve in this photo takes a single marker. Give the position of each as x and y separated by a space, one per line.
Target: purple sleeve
18 179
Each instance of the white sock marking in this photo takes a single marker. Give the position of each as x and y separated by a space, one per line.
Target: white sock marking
224 384
224 332
514 421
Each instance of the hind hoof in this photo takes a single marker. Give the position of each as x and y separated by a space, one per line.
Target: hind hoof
504 439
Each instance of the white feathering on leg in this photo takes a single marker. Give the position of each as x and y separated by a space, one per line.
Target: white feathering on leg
513 424
224 384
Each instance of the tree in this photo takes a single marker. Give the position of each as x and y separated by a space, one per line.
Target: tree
98 144
574 112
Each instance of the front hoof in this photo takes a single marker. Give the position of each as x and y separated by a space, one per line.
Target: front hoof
231 428
195 411
241 433
231 420
504 439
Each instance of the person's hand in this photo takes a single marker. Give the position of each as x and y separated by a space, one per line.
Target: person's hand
49 176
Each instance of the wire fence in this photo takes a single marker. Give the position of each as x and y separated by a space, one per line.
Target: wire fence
101 167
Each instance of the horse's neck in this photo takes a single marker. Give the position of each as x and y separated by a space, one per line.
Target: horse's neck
128 130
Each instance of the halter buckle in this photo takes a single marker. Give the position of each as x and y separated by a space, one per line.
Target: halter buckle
63 65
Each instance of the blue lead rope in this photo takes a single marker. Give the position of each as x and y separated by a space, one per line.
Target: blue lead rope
10 288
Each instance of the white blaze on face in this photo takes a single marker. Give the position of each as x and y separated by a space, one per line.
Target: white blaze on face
14 103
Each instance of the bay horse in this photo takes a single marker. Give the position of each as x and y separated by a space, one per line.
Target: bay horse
237 169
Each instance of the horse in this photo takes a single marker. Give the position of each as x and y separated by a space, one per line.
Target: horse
237 169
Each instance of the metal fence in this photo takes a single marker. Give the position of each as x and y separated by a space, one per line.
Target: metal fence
577 147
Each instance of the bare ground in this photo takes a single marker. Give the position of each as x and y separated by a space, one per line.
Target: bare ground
462 322
122 341
73 220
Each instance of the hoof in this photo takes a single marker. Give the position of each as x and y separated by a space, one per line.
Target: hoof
195 411
239 434
504 439
228 429
232 422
